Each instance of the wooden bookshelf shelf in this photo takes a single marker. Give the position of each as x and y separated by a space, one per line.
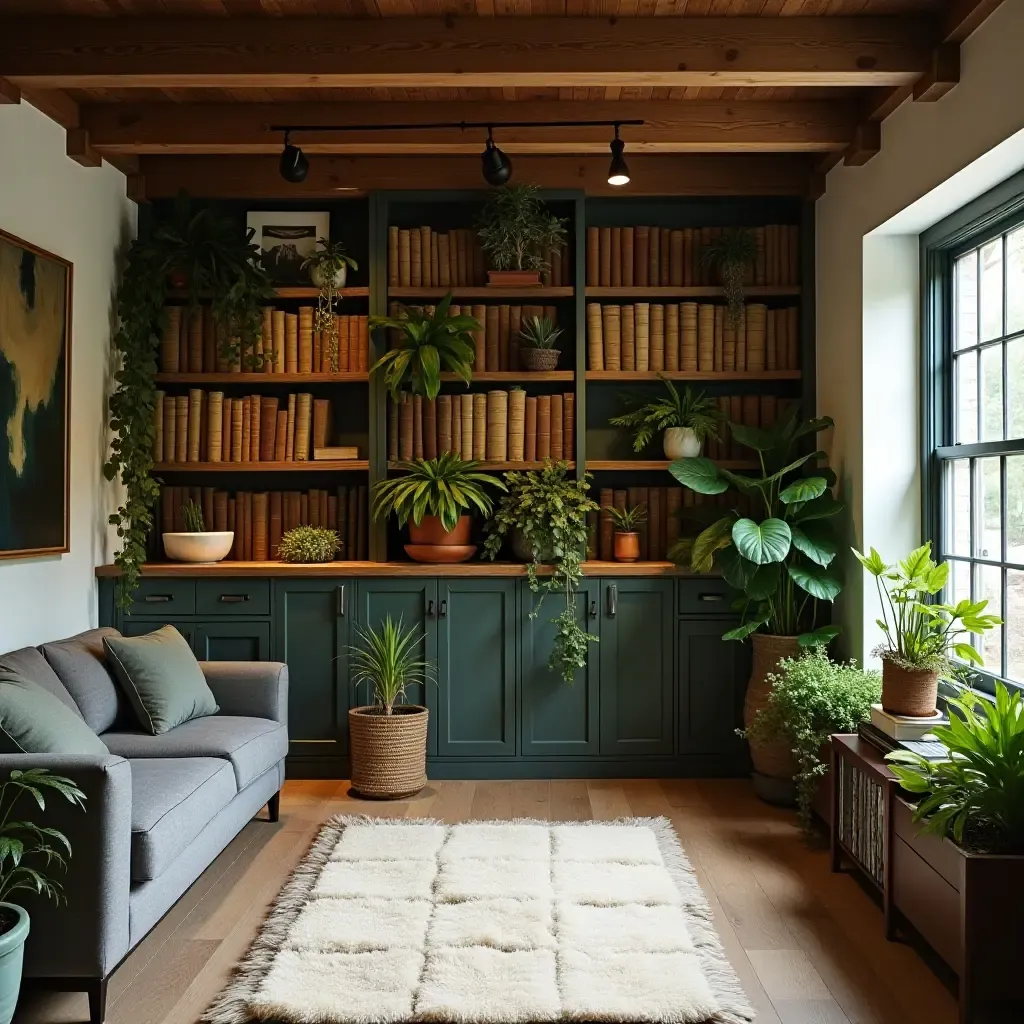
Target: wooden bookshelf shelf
660 464
502 465
487 292
308 466
515 376
760 291
351 377
308 292
693 375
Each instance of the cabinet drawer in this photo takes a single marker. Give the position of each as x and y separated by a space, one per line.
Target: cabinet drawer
711 596
233 597
163 597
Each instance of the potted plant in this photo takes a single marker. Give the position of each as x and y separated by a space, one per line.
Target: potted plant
388 737
627 540
779 556
517 233
27 853
328 270
537 338
196 543
810 698
429 344
545 515
733 255
920 636
434 496
308 544
686 421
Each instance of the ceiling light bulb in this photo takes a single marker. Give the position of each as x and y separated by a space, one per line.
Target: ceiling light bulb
294 166
618 170
496 167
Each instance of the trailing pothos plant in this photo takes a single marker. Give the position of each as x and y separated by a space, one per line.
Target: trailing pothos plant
780 555
549 514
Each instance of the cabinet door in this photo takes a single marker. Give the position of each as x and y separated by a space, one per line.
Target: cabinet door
132 626
476 678
233 641
558 718
311 635
414 601
712 675
636 666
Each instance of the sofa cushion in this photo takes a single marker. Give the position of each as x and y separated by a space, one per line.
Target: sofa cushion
161 677
81 665
252 745
30 663
34 721
173 800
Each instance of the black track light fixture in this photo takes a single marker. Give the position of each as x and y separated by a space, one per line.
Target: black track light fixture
618 169
496 167
294 165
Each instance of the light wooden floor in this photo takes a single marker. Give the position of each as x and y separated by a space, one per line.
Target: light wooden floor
807 945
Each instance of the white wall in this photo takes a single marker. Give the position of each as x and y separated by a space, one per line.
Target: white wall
81 214
935 157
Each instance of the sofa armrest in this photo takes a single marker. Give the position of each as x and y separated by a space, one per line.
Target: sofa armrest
88 935
255 689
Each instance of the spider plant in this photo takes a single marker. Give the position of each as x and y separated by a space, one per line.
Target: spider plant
626 520
733 254
327 268
694 410
442 487
192 514
385 658
539 332
429 343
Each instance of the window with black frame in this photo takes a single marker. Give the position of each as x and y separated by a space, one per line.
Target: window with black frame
977 428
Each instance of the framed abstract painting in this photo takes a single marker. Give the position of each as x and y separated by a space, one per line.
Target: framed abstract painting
35 399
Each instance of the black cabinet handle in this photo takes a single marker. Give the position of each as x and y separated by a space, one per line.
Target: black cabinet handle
593 609
233 598
613 600
442 610
710 597
157 598
341 601
430 608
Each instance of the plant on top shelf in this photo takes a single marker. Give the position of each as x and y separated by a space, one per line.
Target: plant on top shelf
733 254
328 269
436 498
685 420
920 636
537 339
545 516
627 540
308 544
518 232
429 342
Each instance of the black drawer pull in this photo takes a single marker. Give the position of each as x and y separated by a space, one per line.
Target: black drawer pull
593 609
442 610
613 600
157 598
430 609
341 601
233 598
710 597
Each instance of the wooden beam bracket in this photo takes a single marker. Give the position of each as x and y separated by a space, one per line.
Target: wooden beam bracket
867 141
943 74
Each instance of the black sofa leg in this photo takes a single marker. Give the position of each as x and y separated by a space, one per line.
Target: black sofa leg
274 807
97 991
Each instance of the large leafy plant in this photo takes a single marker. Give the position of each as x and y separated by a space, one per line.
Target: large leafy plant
549 514
516 229
429 342
918 634
444 487
691 409
386 659
781 555
977 796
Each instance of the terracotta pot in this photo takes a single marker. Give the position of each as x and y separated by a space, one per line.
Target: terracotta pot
513 278
773 759
910 692
389 752
177 278
627 547
539 359
440 554
680 443
430 531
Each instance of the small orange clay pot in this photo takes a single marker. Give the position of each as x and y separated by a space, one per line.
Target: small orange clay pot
430 531
627 547
513 278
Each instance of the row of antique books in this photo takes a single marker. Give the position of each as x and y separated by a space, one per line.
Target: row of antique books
748 411
424 258
211 427
191 342
499 426
691 336
648 256
496 344
259 518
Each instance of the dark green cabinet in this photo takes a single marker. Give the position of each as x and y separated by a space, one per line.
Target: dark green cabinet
636 666
134 626
232 641
558 719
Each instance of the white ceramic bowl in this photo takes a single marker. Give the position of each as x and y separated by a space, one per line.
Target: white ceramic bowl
680 443
198 547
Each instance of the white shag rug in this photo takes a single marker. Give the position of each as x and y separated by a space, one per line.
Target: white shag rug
505 922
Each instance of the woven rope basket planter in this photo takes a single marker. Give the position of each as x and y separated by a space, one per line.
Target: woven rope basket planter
910 692
539 358
772 758
389 752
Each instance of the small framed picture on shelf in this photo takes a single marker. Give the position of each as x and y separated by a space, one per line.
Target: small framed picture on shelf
286 239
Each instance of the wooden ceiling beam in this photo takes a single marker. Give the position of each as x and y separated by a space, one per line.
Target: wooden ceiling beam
964 16
690 126
9 92
463 52
257 177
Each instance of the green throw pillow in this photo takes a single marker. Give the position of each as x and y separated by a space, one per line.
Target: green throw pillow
34 721
161 677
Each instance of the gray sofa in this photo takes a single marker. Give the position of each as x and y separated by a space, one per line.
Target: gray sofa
159 808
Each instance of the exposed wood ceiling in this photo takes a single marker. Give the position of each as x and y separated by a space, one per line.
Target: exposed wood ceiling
188 88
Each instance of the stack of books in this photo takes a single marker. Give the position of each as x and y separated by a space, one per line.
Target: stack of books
887 732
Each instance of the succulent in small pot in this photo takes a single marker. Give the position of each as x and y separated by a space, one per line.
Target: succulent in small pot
518 234
733 254
537 339
920 636
308 544
627 540
328 270
687 420
196 543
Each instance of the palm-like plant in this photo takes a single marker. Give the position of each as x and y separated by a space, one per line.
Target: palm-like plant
626 520
429 342
442 487
539 332
691 409
386 659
